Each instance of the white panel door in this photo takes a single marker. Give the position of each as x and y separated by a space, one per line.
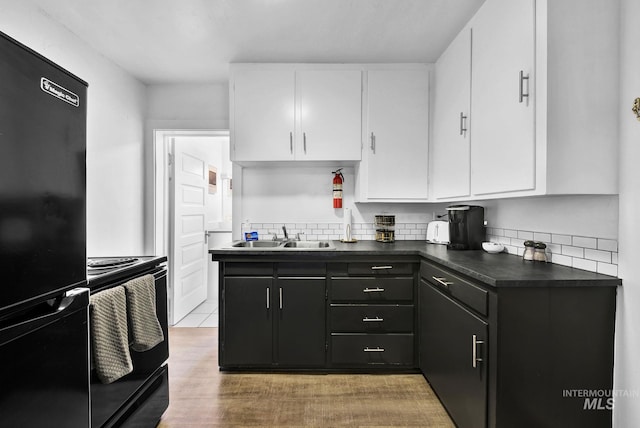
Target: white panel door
451 157
330 114
188 259
263 114
397 138
503 140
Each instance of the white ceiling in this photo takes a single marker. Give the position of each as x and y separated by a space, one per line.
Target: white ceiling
189 41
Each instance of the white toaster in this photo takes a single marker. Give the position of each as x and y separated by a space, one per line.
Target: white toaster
438 232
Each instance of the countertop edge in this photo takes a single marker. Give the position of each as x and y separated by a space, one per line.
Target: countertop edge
465 263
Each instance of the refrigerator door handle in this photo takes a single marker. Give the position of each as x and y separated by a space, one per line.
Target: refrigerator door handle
73 300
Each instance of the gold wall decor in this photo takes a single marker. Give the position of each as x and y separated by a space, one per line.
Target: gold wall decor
636 107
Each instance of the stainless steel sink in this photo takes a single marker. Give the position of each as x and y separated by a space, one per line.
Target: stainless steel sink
256 244
282 245
307 244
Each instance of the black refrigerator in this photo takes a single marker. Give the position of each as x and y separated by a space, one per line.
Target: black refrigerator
43 300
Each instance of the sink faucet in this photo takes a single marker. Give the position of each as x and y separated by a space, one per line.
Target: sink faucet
286 235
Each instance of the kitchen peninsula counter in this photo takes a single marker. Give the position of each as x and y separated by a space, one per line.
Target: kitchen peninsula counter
493 270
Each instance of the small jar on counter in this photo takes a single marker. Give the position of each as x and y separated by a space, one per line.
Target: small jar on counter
529 250
539 253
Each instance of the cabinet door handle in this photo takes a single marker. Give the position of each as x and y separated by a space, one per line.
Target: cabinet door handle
304 142
291 142
376 349
442 281
474 351
280 292
381 267
522 79
268 303
376 319
463 123
373 290
373 143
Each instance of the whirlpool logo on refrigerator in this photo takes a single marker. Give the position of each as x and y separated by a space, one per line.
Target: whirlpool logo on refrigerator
59 92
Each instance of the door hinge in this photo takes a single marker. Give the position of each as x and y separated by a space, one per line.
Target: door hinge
326 346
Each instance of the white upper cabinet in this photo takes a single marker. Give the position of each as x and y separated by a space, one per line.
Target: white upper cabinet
451 131
284 112
502 104
330 114
543 102
262 112
395 155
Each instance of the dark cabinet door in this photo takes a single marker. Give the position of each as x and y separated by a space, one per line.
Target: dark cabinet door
248 321
301 313
453 356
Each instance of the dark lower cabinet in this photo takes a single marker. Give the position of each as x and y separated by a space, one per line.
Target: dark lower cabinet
301 322
272 322
247 339
453 356
515 356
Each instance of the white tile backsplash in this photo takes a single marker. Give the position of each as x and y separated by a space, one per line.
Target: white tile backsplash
581 252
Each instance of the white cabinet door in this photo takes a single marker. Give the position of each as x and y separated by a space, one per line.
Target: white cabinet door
263 114
451 157
330 114
503 141
396 150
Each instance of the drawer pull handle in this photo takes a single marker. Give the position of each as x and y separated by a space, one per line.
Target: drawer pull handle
376 319
381 267
376 349
442 281
373 290
474 351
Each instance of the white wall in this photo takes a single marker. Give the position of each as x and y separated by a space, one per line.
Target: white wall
303 194
116 109
586 215
627 357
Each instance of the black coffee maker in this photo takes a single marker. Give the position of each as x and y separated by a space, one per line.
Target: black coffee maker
466 227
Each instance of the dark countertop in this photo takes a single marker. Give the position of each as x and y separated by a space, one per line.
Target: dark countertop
495 270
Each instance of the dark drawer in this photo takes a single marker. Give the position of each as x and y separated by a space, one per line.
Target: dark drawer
382 268
248 269
372 318
463 290
302 269
371 289
372 349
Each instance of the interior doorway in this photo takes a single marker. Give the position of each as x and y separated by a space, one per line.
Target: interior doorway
193 191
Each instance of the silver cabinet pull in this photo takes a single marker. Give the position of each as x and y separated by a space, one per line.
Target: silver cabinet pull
373 290
376 319
474 351
280 298
522 79
268 303
304 141
373 143
381 267
291 142
463 123
376 349
442 281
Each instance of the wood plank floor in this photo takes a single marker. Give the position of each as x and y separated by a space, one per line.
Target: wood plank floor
202 396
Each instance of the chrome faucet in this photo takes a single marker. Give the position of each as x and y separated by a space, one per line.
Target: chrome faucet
286 235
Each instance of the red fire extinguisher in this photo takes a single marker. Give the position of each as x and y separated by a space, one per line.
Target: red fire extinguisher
338 179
